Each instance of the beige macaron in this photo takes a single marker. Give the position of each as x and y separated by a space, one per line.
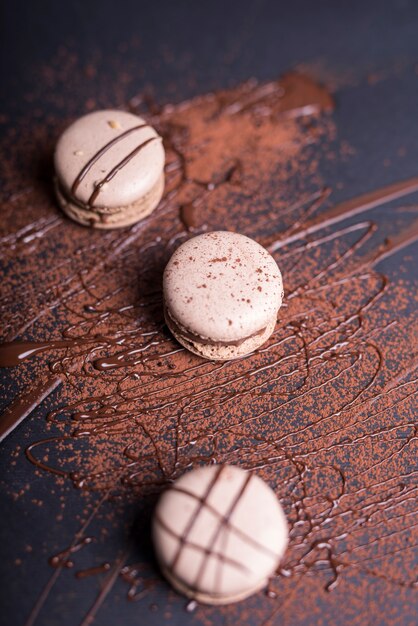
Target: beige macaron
219 534
109 169
222 293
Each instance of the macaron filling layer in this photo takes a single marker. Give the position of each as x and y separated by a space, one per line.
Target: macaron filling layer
215 599
187 334
103 217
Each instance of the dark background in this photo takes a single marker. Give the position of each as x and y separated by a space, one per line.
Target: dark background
183 48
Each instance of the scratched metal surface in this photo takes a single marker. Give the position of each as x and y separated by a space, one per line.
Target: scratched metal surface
377 118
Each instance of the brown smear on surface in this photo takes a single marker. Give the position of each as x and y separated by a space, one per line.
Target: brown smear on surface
24 404
324 411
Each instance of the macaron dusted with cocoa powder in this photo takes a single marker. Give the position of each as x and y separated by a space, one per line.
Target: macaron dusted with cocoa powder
222 294
219 534
109 169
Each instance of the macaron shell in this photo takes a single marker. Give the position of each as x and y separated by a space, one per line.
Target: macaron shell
222 286
250 544
81 141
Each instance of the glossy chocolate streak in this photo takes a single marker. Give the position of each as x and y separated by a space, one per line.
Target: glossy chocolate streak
324 411
351 208
83 173
93 571
18 410
117 169
15 352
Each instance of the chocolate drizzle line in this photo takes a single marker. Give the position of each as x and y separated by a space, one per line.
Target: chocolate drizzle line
106 588
93 571
199 548
117 169
223 526
324 411
223 519
85 170
62 558
193 519
351 208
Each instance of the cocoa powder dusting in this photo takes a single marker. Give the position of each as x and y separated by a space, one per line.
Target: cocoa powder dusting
324 411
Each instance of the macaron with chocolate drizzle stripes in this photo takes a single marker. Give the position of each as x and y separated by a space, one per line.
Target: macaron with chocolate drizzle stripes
219 534
109 169
222 294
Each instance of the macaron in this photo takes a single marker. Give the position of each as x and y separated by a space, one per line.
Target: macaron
222 292
109 169
219 534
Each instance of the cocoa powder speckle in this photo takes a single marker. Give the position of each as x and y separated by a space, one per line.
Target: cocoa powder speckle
324 411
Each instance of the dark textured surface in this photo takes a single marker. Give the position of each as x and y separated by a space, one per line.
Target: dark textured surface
181 49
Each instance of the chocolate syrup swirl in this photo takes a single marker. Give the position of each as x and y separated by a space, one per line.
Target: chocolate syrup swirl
324 411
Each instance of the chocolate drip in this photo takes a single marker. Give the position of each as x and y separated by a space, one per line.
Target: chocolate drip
14 352
188 215
189 212
106 588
